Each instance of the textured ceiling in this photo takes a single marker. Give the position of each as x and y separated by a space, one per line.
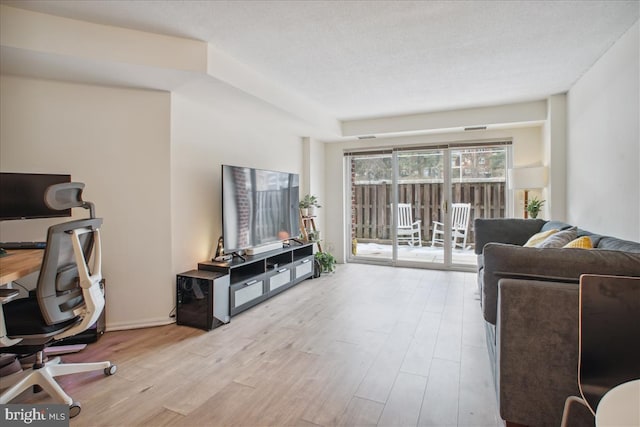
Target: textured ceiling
361 59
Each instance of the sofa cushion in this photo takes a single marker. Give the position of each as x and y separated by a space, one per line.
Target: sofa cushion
559 239
595 238
558 225
540 237
615 244
583 242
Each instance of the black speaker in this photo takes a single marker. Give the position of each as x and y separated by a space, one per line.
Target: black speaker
202 299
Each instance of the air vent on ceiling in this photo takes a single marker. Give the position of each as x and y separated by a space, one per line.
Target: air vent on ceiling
367 137
475 128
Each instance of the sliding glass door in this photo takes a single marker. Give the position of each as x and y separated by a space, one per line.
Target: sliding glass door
478 190
415 207
421 194
371 177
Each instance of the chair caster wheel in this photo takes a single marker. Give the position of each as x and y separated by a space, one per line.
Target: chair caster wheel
111 370
74 409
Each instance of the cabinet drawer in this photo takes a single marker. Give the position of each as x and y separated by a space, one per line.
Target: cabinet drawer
304 268
245 292
280 278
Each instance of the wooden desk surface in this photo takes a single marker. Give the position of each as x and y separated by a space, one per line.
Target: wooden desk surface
19 263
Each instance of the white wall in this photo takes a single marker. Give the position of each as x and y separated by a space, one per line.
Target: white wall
151 163
555 157
116 141
233 129
313 179
527 150
513 114
603 149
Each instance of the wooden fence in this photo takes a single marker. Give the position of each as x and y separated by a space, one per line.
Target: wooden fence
371 211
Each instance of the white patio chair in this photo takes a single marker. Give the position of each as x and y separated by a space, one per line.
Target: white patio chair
408 230
459 228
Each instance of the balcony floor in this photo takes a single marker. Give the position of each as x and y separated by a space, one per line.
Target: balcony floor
426 254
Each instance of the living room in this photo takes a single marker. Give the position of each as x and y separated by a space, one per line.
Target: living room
145 120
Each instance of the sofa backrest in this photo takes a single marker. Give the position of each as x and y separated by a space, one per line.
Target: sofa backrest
513 231
615 244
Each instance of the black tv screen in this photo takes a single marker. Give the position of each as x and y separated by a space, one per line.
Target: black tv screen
22 195
258 207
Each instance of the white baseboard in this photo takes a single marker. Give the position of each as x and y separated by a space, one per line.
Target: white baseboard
123 326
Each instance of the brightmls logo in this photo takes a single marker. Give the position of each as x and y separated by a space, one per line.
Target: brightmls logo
35 415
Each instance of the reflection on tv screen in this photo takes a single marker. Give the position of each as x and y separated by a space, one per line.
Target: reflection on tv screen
258 206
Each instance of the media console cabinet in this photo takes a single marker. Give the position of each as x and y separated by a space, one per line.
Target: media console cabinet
249 282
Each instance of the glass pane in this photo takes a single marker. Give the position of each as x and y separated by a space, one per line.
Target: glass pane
371 194
477 180
478 184
420 197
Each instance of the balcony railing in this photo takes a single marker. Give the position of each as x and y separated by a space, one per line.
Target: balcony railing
371 211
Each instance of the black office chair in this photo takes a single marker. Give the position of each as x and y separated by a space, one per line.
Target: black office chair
68 300
609 338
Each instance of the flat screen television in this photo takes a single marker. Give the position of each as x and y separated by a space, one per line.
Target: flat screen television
258 207
22 195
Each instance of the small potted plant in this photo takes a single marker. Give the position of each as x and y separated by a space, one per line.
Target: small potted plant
304 208
314 235
308 205
326 261
533 207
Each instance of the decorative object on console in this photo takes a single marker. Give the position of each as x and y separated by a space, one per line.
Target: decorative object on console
526 179
220 247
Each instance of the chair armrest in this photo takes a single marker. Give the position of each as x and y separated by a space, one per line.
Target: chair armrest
537 350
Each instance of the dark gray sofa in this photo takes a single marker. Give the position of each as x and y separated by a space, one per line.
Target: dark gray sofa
529 300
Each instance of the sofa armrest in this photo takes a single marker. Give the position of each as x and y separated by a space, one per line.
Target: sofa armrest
514 231
548 264
536 350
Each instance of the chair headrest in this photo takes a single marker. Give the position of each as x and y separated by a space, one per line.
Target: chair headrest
66 196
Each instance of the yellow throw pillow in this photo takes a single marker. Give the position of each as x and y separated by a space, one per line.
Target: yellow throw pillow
583 242
539 237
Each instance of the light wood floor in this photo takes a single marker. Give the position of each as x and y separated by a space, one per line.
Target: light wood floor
367 345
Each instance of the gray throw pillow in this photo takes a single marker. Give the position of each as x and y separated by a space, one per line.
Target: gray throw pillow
559 239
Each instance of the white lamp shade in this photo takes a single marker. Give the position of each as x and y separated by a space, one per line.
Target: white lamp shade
528 178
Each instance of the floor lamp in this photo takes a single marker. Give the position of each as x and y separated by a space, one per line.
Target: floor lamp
526 179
